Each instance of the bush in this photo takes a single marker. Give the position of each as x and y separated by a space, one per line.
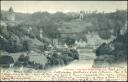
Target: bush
69 41
64 58
104 34
118 54
6 60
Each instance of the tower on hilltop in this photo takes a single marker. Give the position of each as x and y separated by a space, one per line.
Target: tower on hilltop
10 14
82 13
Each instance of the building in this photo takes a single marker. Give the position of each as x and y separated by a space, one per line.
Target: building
55 42
93 39
10 15
81 43
3 27
41 33
82 13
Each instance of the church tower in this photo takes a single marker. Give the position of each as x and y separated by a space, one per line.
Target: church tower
82 13
10 15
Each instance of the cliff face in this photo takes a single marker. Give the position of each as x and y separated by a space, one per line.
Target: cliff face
114 52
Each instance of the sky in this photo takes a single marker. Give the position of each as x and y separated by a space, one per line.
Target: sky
64 6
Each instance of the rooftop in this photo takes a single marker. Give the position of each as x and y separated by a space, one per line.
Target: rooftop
11 9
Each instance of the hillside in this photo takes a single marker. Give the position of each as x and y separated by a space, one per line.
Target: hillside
114 52
36 32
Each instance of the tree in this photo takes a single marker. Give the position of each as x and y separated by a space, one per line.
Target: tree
70 41
49 27
6 60
105 34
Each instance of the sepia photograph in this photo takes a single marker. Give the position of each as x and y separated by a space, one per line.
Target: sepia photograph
63 41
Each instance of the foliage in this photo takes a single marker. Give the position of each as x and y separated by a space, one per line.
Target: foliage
13 36
119 53
104 22
49 27
70 41
61 58
6 60
105 34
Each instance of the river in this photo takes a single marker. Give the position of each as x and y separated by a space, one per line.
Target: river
86 60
